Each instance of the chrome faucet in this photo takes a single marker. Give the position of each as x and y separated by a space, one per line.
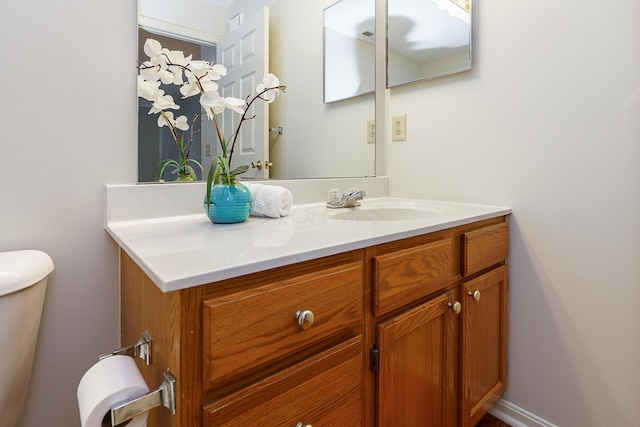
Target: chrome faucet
349 199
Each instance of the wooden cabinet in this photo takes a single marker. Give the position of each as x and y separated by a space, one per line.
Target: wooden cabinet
275 348
442 355
417 379
484 320
406 333
484 340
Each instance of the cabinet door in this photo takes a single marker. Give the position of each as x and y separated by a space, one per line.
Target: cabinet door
417 382
324 390
484 338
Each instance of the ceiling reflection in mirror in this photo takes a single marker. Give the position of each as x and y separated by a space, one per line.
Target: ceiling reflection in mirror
304 136
349 49
427 39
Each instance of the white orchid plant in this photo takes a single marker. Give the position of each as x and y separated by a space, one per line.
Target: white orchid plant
196 77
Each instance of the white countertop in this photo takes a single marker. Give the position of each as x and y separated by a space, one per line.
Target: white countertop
181 251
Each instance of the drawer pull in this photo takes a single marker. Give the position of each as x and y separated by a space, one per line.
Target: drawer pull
305 319
476 295
456 307
303 425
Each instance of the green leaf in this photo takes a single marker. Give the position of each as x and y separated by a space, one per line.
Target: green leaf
163 165
239 170
213 177
197 163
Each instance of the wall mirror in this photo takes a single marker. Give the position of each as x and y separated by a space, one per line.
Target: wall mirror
349 49
427 39
304 137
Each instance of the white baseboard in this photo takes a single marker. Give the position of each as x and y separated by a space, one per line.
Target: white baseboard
515 416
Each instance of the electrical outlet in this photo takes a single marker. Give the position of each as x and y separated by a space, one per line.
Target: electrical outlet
207 149
371 131
399 128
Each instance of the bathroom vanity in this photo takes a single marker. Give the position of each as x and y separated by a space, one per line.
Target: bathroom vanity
392 314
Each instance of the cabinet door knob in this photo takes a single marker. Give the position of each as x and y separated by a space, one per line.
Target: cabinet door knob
305 319
476 295
455 306
303 425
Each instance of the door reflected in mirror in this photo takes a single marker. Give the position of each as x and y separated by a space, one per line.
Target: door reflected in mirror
427 39
305 137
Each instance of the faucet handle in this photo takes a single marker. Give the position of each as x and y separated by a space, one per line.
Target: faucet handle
335 195
354 191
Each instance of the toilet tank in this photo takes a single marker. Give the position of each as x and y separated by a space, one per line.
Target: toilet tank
23 280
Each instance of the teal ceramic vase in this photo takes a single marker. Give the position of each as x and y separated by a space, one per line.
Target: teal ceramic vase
229 203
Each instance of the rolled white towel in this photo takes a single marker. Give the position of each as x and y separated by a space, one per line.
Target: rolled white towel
273 201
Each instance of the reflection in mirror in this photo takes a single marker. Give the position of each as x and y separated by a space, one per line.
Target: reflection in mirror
155 143
349 49
317 140
427 39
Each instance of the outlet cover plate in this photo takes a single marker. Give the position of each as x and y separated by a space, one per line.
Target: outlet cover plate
371 131
399 128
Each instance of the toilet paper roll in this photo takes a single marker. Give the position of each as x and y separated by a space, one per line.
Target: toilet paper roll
112 380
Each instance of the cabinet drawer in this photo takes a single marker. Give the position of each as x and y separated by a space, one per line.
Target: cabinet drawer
484 247
325 390
246 331
403 276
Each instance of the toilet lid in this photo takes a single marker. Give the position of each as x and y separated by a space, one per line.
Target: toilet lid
21 269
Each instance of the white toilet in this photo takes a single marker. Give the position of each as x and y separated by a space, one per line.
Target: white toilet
23 280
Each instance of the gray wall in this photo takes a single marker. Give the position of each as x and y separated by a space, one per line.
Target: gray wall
548 122
68 114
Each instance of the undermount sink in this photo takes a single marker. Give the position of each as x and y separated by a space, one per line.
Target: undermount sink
387 212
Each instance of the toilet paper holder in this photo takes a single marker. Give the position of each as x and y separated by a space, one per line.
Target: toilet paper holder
165 396
141 349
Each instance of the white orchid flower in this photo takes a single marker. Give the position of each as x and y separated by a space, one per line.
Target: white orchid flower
217 71
213 101
176 62
205 70
164 64
149 90
150 72
177 57
179 123
163 102
199 67
189 89
152 48
271 84
176 75
193 88
166 76
209 86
